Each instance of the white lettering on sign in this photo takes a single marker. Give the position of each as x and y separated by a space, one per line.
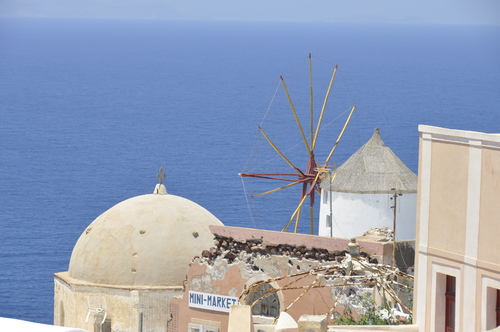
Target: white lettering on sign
211 301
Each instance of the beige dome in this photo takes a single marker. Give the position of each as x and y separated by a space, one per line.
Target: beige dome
147 240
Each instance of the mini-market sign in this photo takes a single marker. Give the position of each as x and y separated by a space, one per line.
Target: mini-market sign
211 301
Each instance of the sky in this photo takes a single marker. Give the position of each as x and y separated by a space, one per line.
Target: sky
377 11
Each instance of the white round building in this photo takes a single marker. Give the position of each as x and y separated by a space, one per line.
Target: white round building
129 263
366 191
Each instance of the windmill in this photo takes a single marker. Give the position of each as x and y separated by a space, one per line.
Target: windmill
310 176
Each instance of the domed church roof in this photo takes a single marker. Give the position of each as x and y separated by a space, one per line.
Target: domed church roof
148 240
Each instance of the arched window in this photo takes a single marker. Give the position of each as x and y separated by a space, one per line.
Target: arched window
264 301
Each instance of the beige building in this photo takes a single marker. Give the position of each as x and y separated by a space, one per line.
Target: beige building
129 263
458 250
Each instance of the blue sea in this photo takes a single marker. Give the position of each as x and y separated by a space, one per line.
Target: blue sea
91 109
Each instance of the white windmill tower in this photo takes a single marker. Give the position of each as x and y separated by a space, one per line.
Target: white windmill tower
373 188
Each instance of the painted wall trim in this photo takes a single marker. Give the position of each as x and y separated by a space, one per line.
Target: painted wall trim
453 134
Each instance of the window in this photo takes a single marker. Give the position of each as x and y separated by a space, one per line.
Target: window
210 329
490 304
264 301
195 328
202 328
497 308
450 304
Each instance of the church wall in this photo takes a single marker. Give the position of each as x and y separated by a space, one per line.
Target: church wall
123 305
64 315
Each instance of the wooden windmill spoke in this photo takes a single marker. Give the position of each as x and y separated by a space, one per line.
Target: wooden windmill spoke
297 218
313 184
277 189
271 176
295 213
325 101
295 116
287 224
278 151
340 135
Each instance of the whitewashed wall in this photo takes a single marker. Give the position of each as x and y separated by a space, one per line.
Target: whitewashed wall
353 214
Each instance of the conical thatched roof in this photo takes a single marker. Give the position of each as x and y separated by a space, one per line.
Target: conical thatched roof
374 168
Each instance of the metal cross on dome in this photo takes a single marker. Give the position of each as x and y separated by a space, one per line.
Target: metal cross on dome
161 175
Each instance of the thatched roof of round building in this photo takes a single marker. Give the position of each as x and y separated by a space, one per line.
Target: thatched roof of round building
374 168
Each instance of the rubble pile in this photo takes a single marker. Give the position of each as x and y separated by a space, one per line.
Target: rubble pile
384 233
352 275
230 248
